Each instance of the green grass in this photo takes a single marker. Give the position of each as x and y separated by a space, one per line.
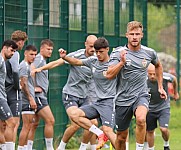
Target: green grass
174 127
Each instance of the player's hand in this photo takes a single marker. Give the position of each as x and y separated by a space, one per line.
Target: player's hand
176 96
62 52
163 94
123 56
34 71
32 103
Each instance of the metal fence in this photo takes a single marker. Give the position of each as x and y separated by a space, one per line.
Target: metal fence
67 23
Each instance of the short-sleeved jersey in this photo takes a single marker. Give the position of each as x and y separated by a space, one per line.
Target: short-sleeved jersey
104 88
78 77
156 102
132 78
41 78
12 78
91 91
25 72
2 77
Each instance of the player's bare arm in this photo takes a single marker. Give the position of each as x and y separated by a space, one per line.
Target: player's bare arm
159 74
70 60
24 87
48 66
114 69
175 87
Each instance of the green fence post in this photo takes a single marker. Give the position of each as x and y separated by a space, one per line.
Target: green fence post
131 10
46 18
117 18
178 44
145 22
65 19
2 20
84 17
25 16
101 17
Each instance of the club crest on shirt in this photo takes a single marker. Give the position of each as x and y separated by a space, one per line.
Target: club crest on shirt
104 73
144 62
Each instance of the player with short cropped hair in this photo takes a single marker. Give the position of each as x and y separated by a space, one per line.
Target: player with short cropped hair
41 90
12 80
129 63
6 118
159 108
29 105
75 91
105 92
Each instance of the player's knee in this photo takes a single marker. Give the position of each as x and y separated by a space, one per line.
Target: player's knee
10 123
121 137
34 125
163 130
17 125
74 115
150 132
107 129
140 121
95 122
50 122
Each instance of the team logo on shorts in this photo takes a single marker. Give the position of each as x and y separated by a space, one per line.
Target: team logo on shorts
166 125
144 62
9 114
106 122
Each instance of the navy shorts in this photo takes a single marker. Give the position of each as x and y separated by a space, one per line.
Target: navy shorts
41 103
124 114
26 109
102 109
15 102
5 112
162 116
70 100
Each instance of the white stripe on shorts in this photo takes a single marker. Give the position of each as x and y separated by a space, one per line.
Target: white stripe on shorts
39 101
17 95
27 112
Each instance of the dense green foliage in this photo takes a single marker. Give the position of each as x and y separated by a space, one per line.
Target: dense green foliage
158 19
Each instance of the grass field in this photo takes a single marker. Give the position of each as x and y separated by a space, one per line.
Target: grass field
175 131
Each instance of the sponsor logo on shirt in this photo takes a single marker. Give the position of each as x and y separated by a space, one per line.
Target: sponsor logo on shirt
128 62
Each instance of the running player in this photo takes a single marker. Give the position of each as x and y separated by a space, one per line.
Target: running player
75 91
159 109
129 64
105 91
